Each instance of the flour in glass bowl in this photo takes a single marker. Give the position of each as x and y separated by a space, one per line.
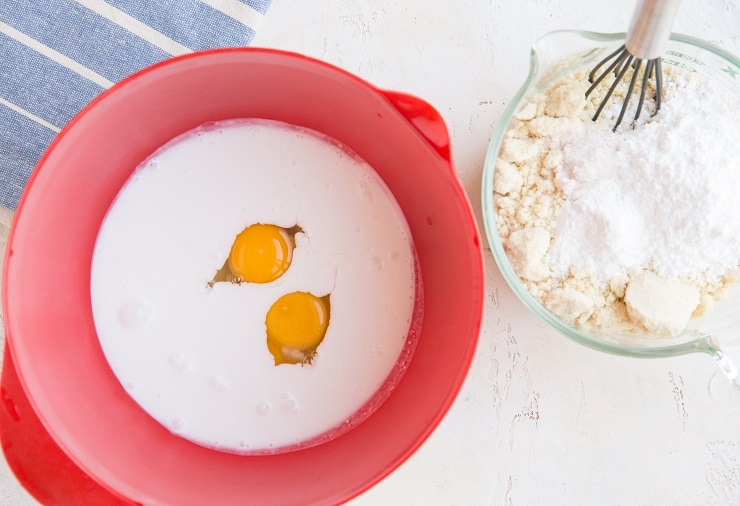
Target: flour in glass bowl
634 231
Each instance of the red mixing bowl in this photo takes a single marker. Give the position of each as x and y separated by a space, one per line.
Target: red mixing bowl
49 324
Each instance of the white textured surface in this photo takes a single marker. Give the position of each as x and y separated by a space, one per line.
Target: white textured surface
540 420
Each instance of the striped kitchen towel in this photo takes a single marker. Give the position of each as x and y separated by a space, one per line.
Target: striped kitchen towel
57 55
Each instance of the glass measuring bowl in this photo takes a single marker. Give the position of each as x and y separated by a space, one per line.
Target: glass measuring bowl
717 333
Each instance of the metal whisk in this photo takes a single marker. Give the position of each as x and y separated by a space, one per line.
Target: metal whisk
646 41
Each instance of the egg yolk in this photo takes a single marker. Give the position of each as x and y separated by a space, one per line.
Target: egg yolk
296 325
261 253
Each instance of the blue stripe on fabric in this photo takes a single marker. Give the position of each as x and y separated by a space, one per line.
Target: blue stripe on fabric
193 24
22 141
258 5
41 86
82 35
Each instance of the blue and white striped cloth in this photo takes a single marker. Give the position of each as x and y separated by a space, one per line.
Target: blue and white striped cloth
57 55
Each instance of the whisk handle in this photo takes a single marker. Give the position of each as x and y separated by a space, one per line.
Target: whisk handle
651 27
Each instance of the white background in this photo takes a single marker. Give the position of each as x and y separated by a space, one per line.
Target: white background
540 419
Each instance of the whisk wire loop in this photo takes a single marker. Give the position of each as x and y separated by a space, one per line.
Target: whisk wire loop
600 64
643 89
637 65
658 85
621 64
622 52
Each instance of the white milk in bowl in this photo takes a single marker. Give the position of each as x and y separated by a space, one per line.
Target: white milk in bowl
254 287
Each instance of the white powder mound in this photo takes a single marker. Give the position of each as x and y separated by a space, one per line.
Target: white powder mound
635 231
665 193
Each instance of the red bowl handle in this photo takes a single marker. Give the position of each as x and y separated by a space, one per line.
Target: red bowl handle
425 118
38 463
